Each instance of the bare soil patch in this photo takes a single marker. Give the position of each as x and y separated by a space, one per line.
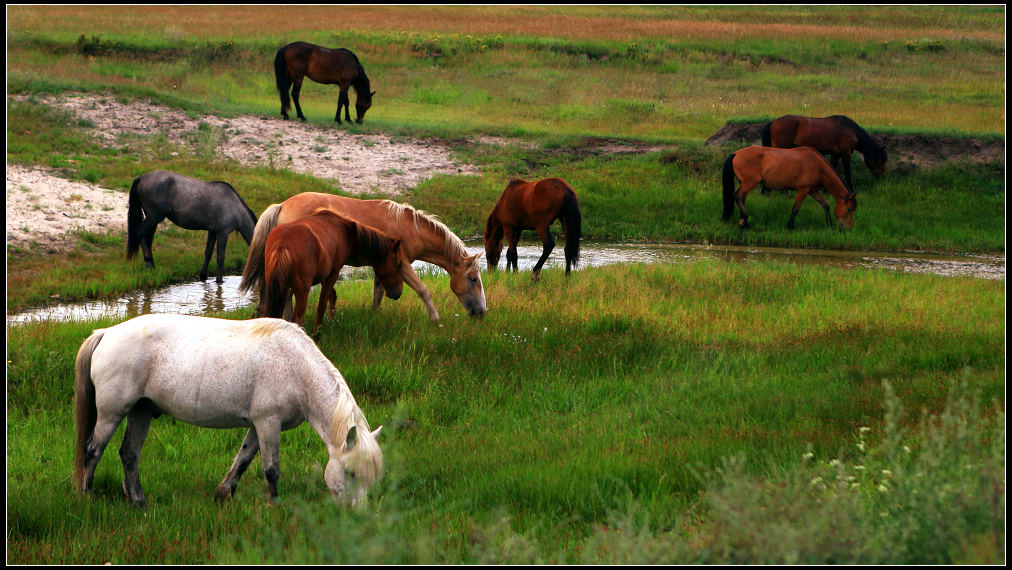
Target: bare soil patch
44 208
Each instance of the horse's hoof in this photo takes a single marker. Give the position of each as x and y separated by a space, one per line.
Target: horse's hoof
536 276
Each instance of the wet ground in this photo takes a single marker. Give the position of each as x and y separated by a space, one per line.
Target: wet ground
203 298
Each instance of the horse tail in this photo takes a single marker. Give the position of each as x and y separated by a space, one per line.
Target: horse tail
279 264
135 215
283 80
729 179
85 410
570 216
767 139
253 272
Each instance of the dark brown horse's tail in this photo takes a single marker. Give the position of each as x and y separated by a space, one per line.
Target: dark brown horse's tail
728 187
85 411
135 215
253 272
766 137
283 80
570 216
279 265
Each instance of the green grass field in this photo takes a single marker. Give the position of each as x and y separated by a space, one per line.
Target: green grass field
705 412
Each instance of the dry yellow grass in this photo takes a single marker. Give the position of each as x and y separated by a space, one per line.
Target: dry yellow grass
573 22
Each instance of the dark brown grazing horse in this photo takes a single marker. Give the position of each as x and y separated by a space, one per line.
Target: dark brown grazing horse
801 168
340 67
838 136
533 206
313 249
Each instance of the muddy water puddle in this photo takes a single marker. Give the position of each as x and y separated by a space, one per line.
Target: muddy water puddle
201 298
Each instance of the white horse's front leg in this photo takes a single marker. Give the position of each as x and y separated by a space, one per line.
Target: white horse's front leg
248 450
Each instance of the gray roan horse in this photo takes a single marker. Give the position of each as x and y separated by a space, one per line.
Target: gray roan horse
263 374
189 203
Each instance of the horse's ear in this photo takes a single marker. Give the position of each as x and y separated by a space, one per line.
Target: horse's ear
373 93
376 432
397 245
473 260
352 438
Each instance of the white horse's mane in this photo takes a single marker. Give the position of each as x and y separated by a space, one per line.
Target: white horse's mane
454 247
365 458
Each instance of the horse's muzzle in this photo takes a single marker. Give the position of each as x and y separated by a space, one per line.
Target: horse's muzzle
394 294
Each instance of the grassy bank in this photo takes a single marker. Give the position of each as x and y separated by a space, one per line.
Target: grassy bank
574 408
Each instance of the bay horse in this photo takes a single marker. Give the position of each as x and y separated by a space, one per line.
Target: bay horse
313 249
422 236
838 136
339 66
533 206
801 168
189 203
265 375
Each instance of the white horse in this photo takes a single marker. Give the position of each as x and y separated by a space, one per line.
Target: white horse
264 374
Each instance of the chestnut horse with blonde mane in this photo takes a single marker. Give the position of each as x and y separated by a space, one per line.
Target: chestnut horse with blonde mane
802 169
422 238
533 206
313 249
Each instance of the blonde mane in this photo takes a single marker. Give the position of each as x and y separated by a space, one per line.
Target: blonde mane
453 247
365 459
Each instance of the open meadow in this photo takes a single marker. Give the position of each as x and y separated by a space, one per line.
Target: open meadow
709 412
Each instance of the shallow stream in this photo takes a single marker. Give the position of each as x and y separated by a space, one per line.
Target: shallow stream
209 297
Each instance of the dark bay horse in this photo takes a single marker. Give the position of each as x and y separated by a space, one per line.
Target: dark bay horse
801 168
264 375
313 249
838 136
189 203
340 67
533 206
422 237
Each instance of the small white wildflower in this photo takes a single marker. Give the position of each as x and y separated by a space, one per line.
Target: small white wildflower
864 429
906 448
860 445
807 456
887 473
815 481
860 467
835 462
882 488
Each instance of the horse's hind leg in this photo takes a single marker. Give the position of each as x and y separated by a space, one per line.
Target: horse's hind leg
105 427
739 198
146 236
296 89
547 245
247 451
138 422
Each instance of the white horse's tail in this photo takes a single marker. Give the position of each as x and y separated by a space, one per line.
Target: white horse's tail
85 411
253 272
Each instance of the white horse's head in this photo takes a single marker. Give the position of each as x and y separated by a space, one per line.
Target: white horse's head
360 461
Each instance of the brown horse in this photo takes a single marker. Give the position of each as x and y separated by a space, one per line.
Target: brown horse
838 136
422 237
340 67
313 249
802 168
533 206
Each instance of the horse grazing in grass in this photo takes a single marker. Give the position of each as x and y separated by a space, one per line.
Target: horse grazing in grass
189 203
340 67
313 249
801 168
266 375
533 206
838 136
422 237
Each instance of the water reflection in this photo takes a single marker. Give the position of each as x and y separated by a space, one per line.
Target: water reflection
210 297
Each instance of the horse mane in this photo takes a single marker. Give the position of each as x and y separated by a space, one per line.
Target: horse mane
361 82
453 248
365 458
866 144
371 243
241 201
